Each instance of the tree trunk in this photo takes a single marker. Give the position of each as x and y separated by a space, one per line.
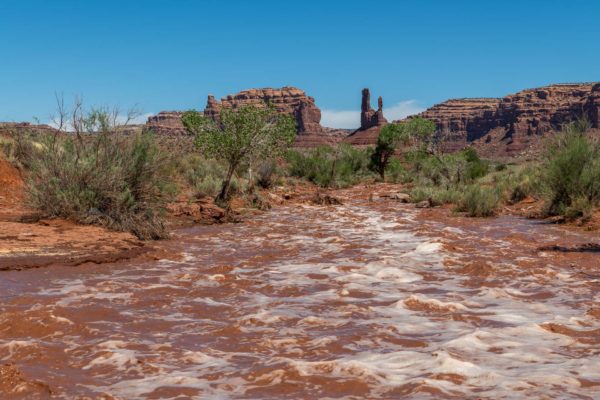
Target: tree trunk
383 165
222 197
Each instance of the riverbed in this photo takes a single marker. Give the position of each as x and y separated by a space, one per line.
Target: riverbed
369 299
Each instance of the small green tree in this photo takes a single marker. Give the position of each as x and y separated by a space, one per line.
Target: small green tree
244 135
410 132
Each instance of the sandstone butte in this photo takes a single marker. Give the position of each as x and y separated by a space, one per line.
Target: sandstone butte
510 127
513 126
288 100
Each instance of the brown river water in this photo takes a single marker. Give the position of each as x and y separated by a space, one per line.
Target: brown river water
364 300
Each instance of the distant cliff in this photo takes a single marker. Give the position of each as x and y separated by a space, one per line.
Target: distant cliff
515 124
287 100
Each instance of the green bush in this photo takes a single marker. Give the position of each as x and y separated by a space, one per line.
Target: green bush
449 169
571 173
203 175
479 201
207 187
395 172
19 148
265 174
340 166
121 182
437 196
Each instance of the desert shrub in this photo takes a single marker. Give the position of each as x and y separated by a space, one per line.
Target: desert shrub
475 168
340 166
313 165
243 137
207 187
6 147
203 176
20 148
411 132
571 172
478 201
107 179
526 183
447 170
265 175
437 195
395 172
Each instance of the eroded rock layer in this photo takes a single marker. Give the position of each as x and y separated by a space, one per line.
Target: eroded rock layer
287 100
24 127
371 122
166 122
513 125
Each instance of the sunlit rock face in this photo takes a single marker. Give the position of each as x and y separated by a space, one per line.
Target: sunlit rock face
166 122
514 124
287 100
371 122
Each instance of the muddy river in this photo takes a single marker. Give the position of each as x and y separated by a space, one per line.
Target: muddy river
364 300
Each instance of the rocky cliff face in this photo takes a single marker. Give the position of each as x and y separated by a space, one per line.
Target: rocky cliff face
287 100
8 128
166 123
371 122
369 117
515 124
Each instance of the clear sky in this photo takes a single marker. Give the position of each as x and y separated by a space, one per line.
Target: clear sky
168 55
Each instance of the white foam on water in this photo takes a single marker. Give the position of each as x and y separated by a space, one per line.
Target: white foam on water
12 346
352 293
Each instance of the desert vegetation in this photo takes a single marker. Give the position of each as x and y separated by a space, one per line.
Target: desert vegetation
243 138
331 167
87 172
565 178
93 172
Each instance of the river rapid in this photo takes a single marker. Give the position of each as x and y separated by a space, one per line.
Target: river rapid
373 300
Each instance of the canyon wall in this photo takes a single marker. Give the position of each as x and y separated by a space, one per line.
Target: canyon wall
513 125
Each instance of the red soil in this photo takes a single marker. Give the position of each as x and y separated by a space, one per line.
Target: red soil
56 241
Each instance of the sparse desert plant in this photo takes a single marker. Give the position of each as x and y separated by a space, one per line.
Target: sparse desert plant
243 136
265 174
96 176
571 172
20 148
394 135
479 201
203 176
395 172
436 195
339 166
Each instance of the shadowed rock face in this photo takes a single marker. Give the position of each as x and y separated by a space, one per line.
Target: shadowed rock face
514 124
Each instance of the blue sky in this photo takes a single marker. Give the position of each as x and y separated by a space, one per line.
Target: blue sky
168 55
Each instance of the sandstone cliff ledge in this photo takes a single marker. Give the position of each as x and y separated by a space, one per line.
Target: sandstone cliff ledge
514 125
287 100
